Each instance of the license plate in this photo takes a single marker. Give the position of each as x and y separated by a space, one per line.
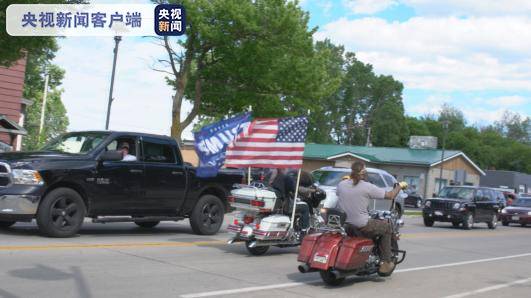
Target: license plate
515 218
438 213
320 259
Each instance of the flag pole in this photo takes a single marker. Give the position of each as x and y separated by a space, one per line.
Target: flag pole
250 109
295 199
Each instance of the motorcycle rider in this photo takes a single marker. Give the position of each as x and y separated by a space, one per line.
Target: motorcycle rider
353 198
284 183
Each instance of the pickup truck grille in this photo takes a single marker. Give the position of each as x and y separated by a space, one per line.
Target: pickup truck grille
4 174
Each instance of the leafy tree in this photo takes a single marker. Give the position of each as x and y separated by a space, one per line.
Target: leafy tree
55 121
367 102
14 47
456 119
514 127
239 53
417 127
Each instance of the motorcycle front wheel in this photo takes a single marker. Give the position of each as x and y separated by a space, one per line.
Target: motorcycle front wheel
257 250
330 279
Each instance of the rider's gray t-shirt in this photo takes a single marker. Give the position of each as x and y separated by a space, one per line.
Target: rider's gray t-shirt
354 200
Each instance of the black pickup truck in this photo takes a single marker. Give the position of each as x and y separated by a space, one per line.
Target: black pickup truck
90 174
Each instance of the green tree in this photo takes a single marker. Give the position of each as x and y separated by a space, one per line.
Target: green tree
239 53
456 119
366 102
14 47
515 127
55 120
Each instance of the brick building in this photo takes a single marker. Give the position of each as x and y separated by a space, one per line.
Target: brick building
12 105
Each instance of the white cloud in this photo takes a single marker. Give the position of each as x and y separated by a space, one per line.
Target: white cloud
470 7
431 105
508 101
442 54
368 6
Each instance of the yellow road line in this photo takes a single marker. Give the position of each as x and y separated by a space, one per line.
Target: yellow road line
114 245
463 234
454 234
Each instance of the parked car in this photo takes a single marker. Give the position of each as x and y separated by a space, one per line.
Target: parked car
83 174
413 198
464 205
327 179
519 212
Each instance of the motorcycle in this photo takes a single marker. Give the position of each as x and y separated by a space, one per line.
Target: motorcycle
261 220
335 255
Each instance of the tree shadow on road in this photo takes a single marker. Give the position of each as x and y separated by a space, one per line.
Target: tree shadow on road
46 273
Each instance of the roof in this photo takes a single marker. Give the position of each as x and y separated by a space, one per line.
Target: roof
10 126
347 170
384 155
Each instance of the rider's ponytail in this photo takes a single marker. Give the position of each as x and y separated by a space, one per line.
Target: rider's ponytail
358 169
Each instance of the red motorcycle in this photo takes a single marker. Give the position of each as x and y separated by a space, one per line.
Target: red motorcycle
336 255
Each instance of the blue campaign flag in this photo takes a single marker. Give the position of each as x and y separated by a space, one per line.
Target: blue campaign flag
212 140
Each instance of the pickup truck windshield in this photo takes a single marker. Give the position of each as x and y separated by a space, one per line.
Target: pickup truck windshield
76 143
460 193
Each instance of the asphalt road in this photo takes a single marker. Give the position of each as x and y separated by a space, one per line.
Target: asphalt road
121 260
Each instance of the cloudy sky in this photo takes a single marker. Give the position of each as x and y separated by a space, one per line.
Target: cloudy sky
472 54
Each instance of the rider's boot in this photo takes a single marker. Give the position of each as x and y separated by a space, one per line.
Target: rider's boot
387 267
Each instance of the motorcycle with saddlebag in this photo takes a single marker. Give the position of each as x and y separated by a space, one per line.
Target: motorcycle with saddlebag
262 218
335 255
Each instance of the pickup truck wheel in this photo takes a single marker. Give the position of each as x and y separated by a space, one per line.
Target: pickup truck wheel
6 224
147 224
61 213
207 216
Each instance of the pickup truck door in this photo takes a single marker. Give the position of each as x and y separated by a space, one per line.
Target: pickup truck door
118 185
165 179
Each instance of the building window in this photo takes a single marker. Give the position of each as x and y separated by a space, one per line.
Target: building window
439 184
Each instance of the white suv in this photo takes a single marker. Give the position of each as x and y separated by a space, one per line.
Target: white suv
327 179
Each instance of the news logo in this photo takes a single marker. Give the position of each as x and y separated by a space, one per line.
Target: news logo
170 20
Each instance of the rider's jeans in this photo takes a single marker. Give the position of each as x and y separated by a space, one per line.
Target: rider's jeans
376 228
304 211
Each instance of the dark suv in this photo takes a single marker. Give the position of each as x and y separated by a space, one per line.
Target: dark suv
464 205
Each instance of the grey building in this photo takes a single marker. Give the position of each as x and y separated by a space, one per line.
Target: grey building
519 182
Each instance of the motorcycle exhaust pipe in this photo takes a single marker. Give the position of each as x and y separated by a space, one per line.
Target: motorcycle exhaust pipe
304 268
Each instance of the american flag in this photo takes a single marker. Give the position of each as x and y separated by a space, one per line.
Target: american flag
269 143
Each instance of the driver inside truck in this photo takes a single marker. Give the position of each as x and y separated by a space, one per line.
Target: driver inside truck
354 196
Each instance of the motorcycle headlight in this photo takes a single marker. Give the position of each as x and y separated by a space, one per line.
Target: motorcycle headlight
26 177
529 213
456 206
427 204
504 211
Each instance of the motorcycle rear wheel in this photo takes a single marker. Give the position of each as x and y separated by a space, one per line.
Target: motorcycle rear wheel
330 279
257 250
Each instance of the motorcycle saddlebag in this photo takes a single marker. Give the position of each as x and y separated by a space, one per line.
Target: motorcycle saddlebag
353 253
307 245
325 251
273 227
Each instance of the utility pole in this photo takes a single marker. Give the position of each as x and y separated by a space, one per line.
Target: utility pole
117 40
445 127
43 107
